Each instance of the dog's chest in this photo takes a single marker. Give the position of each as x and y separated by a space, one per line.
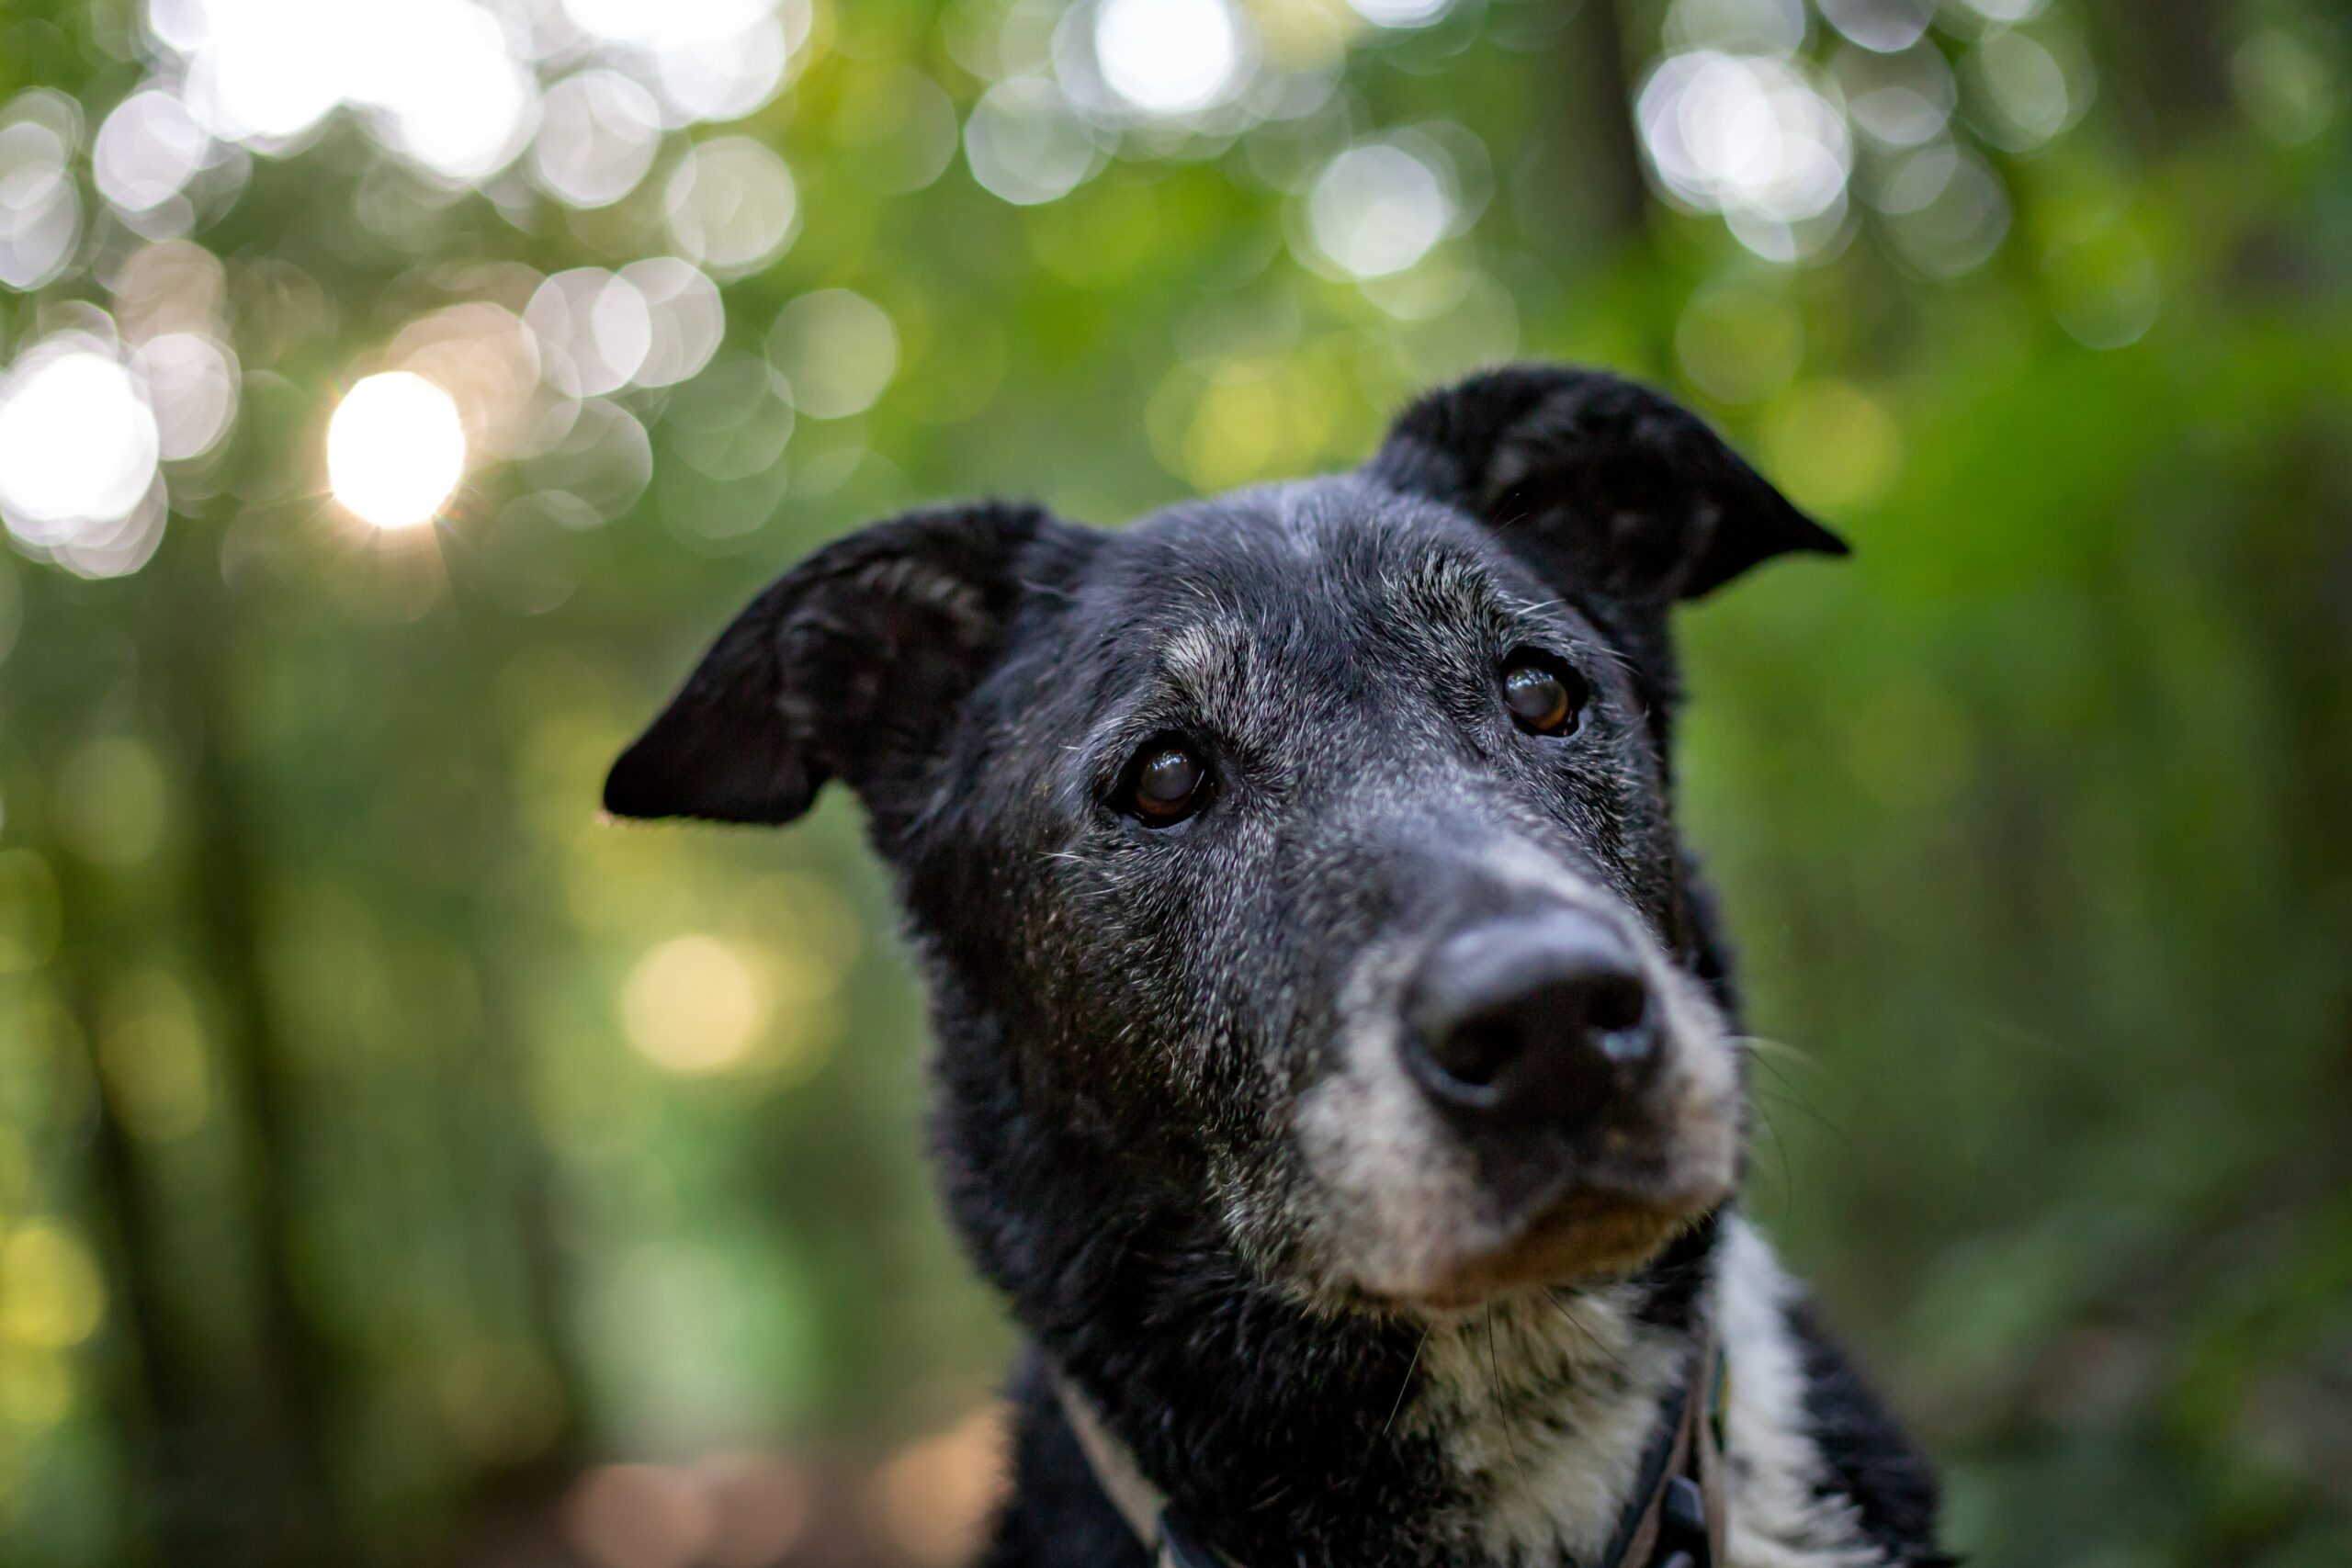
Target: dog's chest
1544 1406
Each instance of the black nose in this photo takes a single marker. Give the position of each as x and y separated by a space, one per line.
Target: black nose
1531 1020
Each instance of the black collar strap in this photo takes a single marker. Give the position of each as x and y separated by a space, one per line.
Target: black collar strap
1674 1520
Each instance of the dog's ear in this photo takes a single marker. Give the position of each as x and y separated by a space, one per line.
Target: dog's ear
850 665
1607 483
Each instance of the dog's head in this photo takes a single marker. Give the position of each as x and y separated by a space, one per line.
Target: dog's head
1305 855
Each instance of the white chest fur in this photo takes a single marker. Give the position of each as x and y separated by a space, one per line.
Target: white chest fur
1546 1405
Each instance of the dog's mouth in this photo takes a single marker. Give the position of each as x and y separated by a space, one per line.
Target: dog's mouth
1542 1220
1589 1236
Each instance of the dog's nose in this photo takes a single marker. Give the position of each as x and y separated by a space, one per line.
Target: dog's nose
1539 1019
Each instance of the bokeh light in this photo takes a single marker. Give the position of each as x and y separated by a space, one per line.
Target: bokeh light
1167 57
113 802
1834 445
78 449
837 350
436 78
1027 143
593 461
694 1005
1380 208
1748 137
439 78
1881 25
396 449
1946 209
901 126
40 211
1776 28
191 378
934 1497
593 328
639 1516
147 150
709 59
152 1054
52 1295
2104 286
727 1510
261 70
732 206
732 422
452 86
1401 13
175 286
1896 100
2033 88
684 314
1738 342
489 362
598 133
29 914
2282 79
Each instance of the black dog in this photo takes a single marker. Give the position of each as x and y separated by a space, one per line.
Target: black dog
1338 1063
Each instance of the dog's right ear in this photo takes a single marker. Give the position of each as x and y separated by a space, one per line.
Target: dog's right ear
852 664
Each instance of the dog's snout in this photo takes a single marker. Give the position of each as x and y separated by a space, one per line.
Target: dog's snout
1539 1020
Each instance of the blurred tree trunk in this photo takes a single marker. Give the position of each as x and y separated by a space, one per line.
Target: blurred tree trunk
2175 54
521 1181
152 1394
1619 197
295 1360
1581 195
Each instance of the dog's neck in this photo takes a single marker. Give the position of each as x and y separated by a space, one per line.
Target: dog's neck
1510 1435
1535 1438
1544 1406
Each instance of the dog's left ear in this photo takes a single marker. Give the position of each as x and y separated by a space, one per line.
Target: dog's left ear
1606 483
851 665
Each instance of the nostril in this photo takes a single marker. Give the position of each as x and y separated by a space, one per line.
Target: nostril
1616 1015
1475 1053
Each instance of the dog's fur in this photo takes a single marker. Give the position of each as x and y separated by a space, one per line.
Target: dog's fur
1333 1325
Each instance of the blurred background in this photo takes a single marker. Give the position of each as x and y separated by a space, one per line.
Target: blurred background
399 1165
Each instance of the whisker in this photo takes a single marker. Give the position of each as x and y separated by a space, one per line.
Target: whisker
1789 1092
1766 1045
1494 1379
1622 661
1405 1387
1587 1336
1780 1152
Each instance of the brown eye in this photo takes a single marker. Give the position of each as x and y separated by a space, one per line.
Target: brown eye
1544 699
1167 784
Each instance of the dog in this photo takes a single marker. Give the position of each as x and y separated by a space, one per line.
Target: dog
1338 1068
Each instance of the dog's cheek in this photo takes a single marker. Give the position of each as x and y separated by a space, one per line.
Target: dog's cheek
1704 1109
1389 1200
1268 1210
1394 1199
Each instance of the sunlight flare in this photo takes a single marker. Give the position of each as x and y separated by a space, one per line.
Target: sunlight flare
395 450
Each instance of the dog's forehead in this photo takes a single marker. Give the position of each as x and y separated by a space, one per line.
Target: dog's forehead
1311 561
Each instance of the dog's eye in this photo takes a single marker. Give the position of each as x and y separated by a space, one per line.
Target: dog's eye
1167 783
1543 697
